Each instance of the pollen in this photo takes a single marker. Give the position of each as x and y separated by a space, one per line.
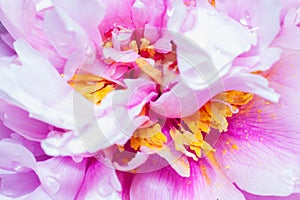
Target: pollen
92 87
150 70
150 137
234 147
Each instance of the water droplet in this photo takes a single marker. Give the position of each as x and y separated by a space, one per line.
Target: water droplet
52 185
246 19
19 168
77 159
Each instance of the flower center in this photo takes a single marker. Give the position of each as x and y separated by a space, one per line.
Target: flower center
188 134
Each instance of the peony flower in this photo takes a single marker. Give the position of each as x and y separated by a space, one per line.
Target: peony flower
102 100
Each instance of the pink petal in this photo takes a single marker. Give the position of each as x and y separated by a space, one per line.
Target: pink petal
5 50
183 100
5 132
257 197
125 104
120 56
210 33
237 79
25 86
266 161
67 144
25 24
32 146
18 16
176 159
19 121
38 194
180 101
101 182
91 14
16 185
152 13
289 67
61 177
288 38
15 157
68 38
263 14
118 14
173 186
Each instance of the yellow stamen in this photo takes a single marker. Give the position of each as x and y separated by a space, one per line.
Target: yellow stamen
92 87
150 137
108 45
133 46
146 47
214 114
150 70
193 140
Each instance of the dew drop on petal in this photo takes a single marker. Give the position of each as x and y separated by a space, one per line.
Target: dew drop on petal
246 19
19 168
52 184
77 159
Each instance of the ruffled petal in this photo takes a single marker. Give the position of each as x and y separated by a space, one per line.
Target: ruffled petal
259 14
125 104
18 17
183 100
104 125
63 145
20 162
69 39
22 21
91 14
19 121
220 36
25 87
